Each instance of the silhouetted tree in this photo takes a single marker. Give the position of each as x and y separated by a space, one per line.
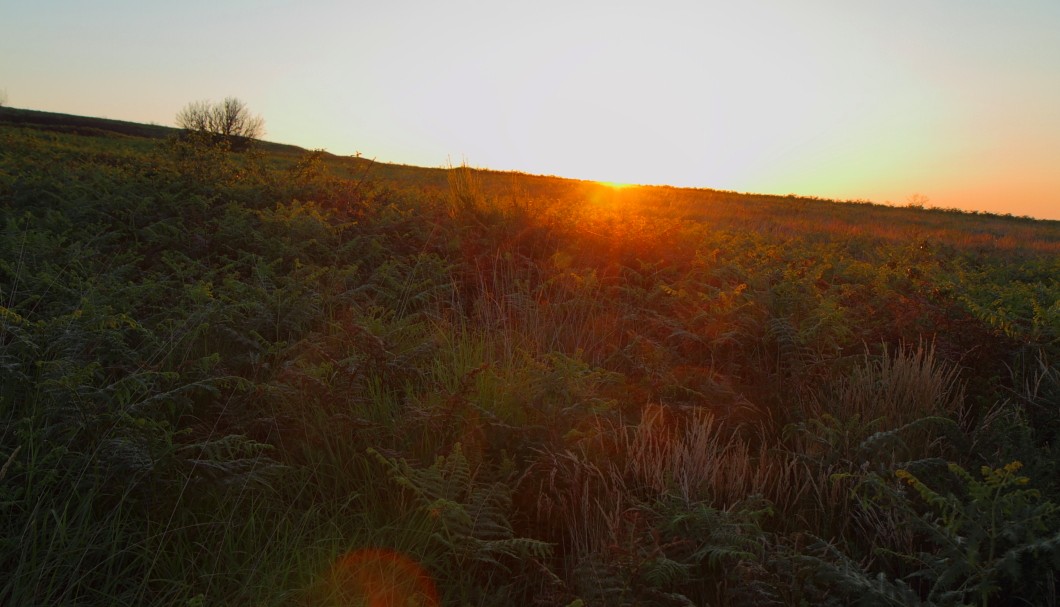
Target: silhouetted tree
229 118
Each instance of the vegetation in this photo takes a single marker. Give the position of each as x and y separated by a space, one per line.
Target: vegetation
230 118
273 377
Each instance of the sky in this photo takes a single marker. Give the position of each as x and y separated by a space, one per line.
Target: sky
957 101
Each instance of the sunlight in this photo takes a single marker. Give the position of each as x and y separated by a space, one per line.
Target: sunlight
615 185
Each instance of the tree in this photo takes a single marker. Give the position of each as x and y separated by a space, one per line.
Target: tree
195 116
229 118
917 201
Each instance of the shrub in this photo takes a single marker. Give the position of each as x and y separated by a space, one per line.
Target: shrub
229 118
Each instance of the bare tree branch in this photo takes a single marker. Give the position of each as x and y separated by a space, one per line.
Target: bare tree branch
229 118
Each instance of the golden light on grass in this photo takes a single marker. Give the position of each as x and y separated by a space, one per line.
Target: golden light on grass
616 185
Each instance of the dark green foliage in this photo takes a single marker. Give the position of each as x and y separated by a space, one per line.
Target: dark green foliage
469 519
223 369
975 539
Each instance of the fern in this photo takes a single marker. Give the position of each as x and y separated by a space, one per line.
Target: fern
849 584
713 553
471 516
886 446
987 532
230 461
600 583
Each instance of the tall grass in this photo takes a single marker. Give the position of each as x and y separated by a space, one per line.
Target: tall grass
225 380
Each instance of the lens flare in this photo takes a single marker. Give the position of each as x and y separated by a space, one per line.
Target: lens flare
375 578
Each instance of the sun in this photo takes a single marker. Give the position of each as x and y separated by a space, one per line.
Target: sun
615 185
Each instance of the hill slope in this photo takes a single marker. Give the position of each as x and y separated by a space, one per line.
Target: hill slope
277 376
691 202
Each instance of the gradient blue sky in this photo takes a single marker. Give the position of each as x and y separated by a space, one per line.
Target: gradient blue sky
956 100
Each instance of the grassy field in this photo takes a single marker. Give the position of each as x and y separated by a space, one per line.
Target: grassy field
272 376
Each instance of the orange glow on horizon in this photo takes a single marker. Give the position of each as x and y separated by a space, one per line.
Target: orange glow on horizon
824 104
616 185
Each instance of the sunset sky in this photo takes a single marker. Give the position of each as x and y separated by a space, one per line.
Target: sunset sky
956 100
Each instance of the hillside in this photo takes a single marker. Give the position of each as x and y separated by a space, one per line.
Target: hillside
705 204
276 376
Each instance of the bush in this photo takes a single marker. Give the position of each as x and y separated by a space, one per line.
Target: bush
229 118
